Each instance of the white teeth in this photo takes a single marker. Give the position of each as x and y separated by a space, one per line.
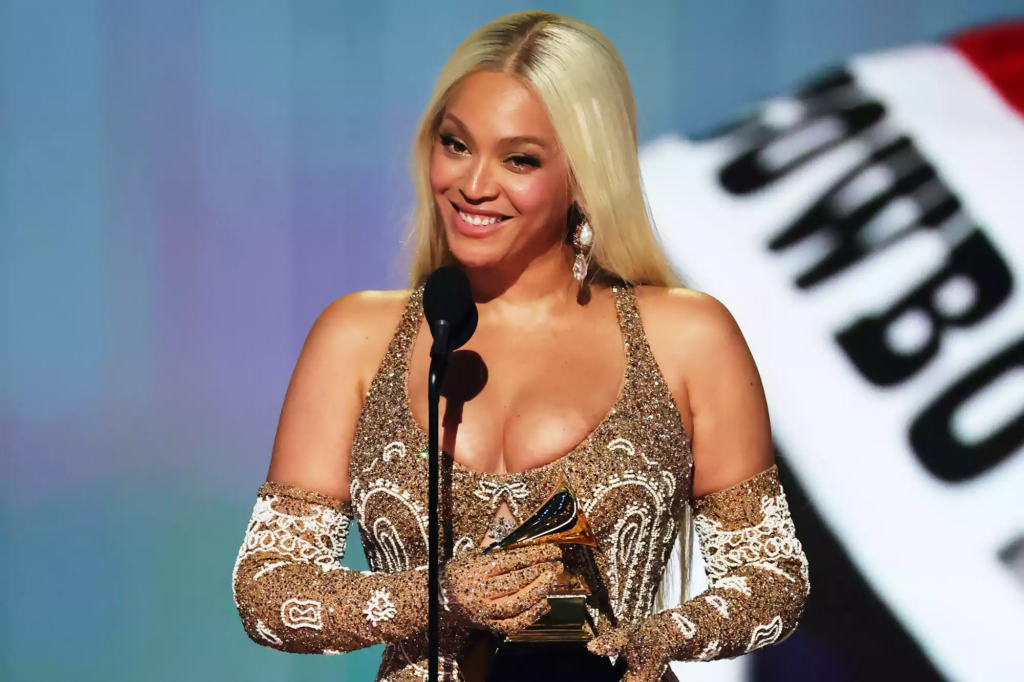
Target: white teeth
478 219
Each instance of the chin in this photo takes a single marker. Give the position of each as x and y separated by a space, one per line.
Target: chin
475 253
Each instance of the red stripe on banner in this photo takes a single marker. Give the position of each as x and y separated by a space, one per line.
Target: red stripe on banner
998 53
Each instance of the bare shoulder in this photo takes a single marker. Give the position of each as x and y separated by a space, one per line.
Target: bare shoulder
674 301
362 313
698 341
358 324
689 327
325 395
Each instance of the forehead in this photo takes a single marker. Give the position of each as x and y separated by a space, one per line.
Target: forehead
498 106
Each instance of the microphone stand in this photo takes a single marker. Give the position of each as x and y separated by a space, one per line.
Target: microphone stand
439 352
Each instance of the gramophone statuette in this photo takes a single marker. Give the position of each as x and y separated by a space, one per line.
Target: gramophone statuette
560 521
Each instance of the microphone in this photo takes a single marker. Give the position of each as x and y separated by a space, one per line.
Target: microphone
450 311
452 317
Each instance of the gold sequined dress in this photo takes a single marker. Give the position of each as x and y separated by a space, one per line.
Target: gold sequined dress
633 477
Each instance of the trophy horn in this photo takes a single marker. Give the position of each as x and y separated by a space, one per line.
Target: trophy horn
559 521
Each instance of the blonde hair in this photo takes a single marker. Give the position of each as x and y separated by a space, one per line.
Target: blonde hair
580 78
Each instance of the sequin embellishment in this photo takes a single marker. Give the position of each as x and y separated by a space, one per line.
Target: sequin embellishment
632 475
500 527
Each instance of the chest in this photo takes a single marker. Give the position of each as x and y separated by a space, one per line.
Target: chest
516 401
631 476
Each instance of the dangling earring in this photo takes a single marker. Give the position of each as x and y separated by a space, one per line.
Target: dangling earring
582 240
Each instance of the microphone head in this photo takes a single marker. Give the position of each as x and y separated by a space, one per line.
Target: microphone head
447 296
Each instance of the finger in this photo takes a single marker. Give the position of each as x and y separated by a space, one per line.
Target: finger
523 557
524 599
524 620
535 592
509 583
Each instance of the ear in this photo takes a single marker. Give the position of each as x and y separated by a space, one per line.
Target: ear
572 219
575 215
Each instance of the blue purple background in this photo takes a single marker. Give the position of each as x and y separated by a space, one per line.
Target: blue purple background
183 187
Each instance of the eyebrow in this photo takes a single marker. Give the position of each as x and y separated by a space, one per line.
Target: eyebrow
529 139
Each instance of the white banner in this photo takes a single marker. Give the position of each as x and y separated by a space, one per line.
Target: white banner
868 236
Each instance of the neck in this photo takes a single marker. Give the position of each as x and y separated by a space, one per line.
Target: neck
545 280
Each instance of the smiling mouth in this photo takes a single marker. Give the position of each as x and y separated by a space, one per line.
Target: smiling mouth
479 220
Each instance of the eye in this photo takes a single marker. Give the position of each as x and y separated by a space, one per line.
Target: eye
523 161
452 144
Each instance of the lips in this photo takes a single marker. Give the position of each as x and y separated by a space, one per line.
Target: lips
477 225
479 220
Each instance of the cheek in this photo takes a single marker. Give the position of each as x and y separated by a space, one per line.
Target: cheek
443 172
537 194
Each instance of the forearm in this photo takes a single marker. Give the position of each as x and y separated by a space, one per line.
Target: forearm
292 593
758 584
756 569
749 608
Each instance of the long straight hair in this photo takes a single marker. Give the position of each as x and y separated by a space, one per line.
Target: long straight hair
579 76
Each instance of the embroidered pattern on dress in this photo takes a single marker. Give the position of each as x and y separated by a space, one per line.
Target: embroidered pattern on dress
380 607
390 545
492 493
388 550
302 613
447 668
626 547
630 549
394 449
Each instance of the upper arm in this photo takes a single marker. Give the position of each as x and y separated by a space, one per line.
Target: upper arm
731 432
325 395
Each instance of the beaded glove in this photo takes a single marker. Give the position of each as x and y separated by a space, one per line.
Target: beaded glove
476 587
293 594
758 583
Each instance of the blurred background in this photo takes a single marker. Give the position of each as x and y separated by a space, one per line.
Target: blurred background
185 185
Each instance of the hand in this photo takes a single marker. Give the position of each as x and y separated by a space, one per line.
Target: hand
643 650
505 591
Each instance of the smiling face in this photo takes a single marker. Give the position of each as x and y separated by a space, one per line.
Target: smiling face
498 175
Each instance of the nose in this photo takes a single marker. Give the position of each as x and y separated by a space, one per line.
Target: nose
480 185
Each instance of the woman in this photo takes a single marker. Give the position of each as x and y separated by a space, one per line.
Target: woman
527 179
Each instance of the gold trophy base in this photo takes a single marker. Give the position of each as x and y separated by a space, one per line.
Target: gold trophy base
567 621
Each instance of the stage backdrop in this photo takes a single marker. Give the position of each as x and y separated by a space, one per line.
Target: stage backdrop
185 185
